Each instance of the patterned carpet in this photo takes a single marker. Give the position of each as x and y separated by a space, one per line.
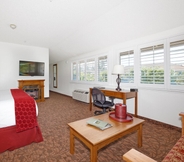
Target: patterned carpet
58 110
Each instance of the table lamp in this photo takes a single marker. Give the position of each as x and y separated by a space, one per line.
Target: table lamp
117 70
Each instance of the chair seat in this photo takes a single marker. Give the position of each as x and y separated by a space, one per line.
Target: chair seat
106 104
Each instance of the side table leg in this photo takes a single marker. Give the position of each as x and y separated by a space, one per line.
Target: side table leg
94 154
139 136
72 145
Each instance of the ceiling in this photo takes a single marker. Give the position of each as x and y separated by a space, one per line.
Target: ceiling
73 27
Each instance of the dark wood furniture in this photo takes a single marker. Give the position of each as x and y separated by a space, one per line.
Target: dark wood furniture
124 95
30 85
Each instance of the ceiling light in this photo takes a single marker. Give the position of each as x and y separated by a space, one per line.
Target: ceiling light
13 26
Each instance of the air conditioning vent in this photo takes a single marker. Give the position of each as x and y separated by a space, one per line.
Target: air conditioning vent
81 95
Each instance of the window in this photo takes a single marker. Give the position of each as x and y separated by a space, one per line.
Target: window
85 70
177 63
152 65
127 60
74 77
90 70
102 69
82 71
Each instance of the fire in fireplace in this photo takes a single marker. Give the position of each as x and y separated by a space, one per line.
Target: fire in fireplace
33 91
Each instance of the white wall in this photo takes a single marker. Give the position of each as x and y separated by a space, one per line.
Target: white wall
10 54
63 71
160 105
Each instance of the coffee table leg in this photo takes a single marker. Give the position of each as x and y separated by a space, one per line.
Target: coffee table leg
71 142
94 154
139 134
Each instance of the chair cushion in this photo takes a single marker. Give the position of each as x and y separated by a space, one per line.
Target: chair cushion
176 154
106 104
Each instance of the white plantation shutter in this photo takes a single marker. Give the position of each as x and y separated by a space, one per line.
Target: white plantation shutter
82 70
74 76
152 65
102 69
127 60
177 63
90 70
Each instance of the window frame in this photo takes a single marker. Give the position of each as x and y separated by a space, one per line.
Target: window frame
113 58
96 70
80 71
134 49
72 73
88 60
128 66
103 56
155 86
173 87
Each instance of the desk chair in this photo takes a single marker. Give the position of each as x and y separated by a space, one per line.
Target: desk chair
99 100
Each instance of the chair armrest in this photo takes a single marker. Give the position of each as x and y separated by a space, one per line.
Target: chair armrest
181 114
136 156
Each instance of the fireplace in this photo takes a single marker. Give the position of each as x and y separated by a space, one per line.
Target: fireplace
34 88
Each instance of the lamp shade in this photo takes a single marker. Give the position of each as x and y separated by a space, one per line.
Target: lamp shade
118 69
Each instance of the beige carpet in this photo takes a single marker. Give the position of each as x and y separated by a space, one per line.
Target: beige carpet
58 110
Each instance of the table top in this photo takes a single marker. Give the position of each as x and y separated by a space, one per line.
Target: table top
95 135
118 94
114 90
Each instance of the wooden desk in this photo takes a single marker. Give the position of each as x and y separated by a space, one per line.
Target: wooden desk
124 95
96 139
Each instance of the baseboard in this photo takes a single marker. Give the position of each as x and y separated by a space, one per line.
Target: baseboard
60 93
160 123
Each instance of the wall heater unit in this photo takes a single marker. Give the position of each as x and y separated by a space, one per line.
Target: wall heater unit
81 95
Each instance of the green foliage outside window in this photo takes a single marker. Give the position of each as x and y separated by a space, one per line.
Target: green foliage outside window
82 76
90 77
177 77
128 77
102 76
156 76
152 75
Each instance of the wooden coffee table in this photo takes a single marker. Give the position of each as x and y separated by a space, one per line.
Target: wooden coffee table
95 138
